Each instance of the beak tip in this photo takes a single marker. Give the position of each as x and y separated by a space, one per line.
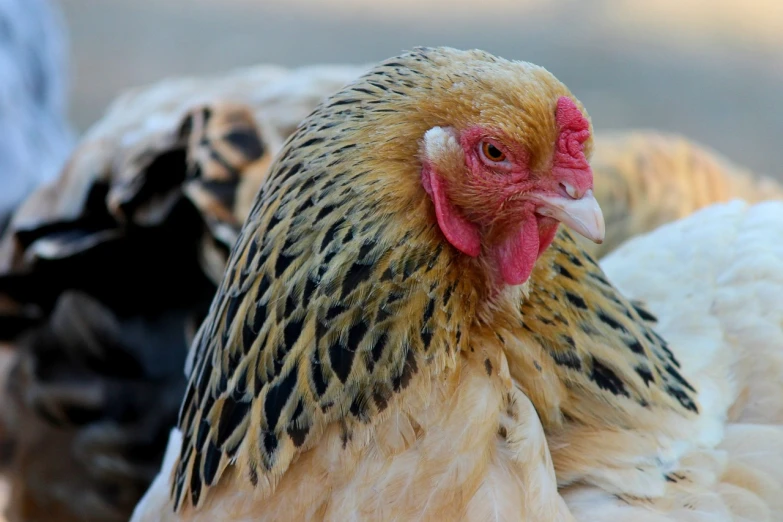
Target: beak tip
599 219
599 238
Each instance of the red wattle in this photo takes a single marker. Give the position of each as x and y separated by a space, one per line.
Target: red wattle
517 255
460 232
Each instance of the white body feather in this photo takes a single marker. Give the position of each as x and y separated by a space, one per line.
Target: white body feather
715 281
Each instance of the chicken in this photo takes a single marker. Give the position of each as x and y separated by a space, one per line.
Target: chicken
393 302
105 271
349 366
646 178
713 281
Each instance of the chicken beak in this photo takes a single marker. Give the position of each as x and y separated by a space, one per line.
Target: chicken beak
582 215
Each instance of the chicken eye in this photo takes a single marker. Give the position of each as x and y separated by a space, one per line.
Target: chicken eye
492 153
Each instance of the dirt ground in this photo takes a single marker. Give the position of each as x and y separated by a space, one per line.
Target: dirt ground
711 69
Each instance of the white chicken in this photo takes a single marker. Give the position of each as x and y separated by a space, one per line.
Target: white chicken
714 281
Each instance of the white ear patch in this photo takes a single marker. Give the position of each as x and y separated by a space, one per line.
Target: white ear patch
441 143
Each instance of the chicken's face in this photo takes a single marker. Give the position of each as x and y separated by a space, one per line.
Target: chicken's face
491 200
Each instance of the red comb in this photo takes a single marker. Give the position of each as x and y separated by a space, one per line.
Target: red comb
574 131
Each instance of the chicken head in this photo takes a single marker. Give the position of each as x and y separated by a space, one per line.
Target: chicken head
489 198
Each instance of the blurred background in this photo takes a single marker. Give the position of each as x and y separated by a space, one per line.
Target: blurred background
711 69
